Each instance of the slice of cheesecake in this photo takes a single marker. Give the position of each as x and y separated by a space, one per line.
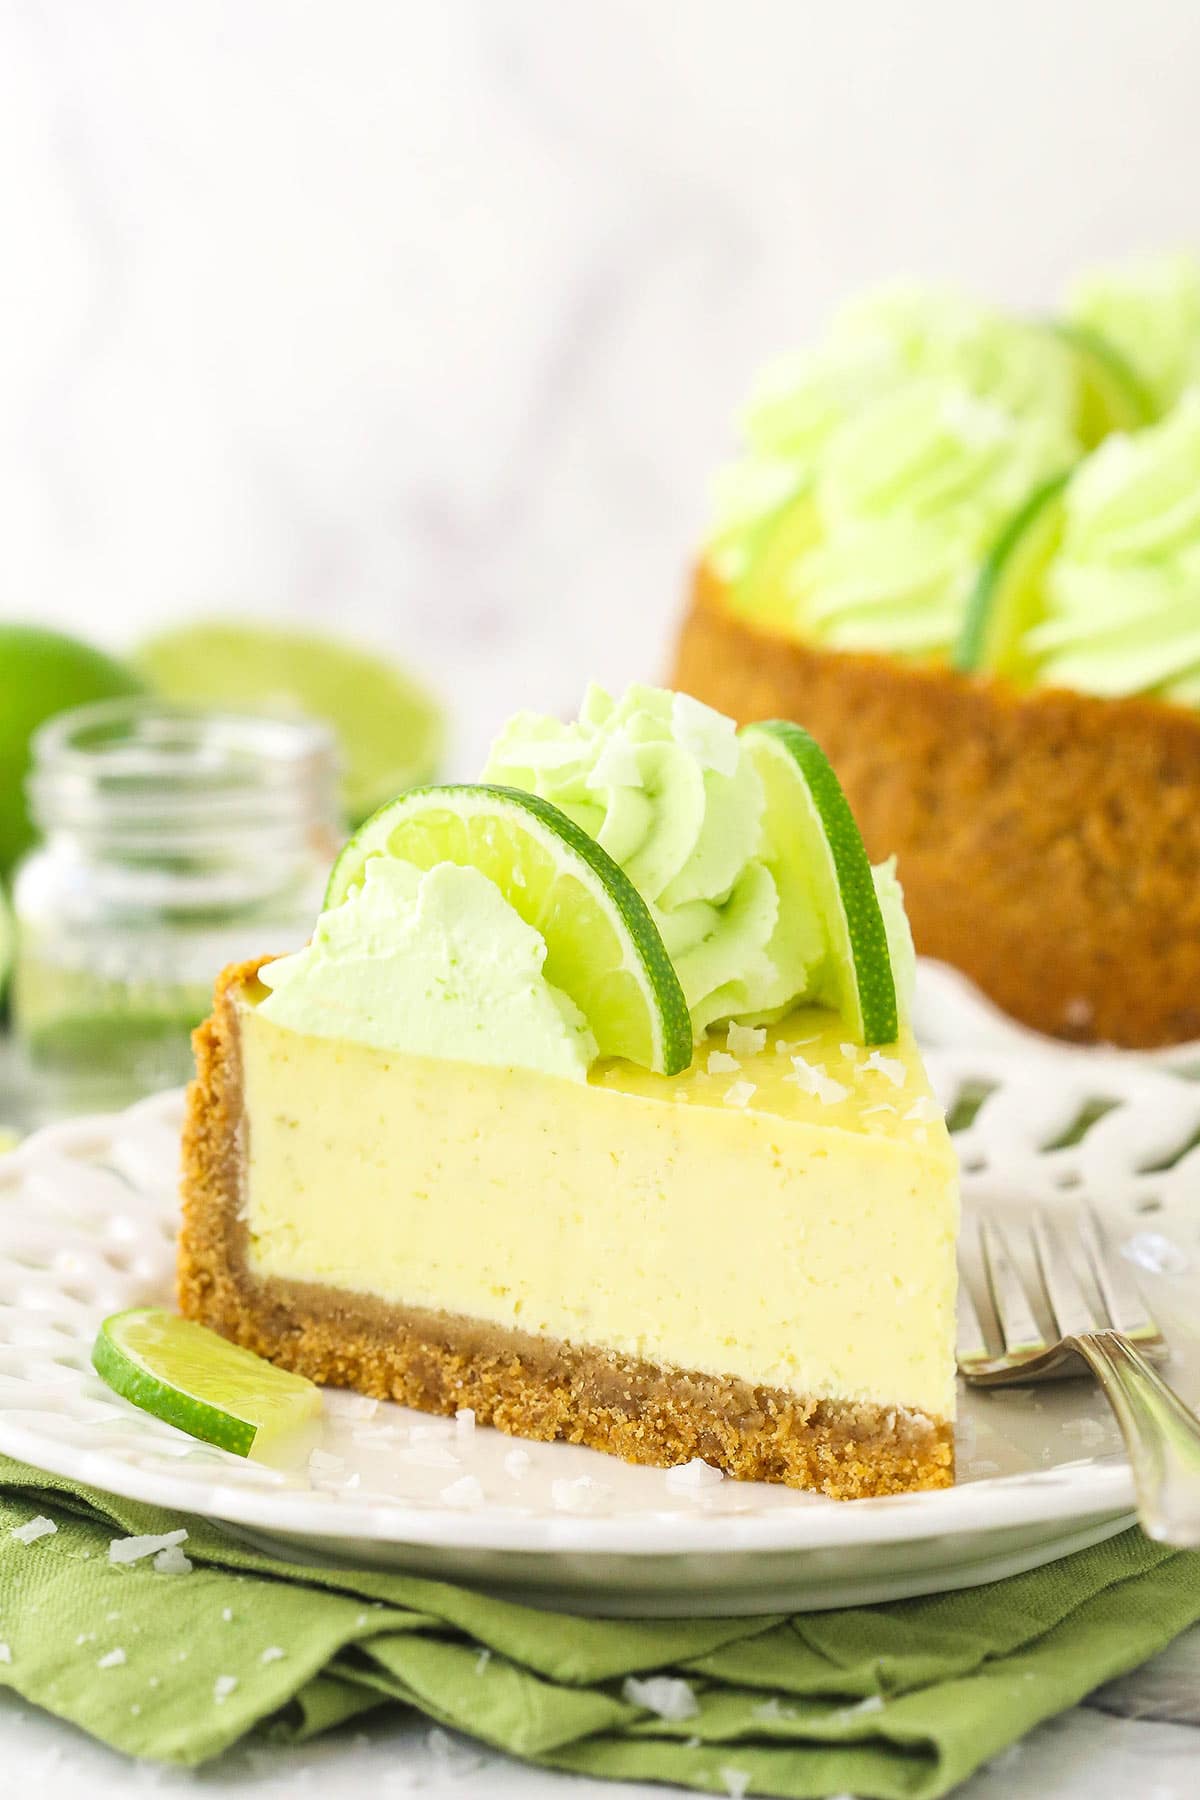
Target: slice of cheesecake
751 1261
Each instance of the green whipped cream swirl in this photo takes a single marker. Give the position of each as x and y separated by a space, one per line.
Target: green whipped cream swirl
666 786
435 963
909 498
1150 312
881 464
1122 596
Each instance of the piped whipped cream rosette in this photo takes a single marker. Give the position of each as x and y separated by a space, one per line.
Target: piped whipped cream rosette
911 494
1148 312
1122 595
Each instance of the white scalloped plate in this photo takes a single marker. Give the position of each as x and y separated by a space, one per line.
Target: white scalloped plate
86 1227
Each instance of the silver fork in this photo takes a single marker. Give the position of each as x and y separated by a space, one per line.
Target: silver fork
1162 1435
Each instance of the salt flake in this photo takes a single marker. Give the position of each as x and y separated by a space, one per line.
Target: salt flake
888 1066
464 1421
133 1549
746 1040
172 1561
516 1463
223 1686
583 1495
721 1063
112 1659
33 1529
667 1696
5 1654
272 1654
811 1078
322 1464
688 1477
468 1491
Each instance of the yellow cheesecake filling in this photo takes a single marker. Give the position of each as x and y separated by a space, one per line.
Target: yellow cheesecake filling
783 1212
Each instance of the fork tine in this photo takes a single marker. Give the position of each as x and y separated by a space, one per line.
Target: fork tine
1018 1327
971 1345
1068 1302
1126 1307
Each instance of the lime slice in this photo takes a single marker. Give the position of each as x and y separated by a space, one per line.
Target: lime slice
818 849
389 726
765 590
197 1380
1007 598
42 673
603 948
1112 395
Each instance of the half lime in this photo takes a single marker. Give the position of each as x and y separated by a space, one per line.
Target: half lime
1007 597
195 1379
389 727
818 848
603 949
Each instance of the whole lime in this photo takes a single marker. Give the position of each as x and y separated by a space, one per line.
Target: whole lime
42 673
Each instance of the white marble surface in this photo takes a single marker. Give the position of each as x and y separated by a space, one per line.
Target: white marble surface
430 320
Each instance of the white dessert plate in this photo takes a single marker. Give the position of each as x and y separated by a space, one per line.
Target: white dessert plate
87 1217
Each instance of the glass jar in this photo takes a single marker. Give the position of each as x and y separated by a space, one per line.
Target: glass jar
172 842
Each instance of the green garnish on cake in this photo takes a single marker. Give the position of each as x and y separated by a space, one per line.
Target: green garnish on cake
946 482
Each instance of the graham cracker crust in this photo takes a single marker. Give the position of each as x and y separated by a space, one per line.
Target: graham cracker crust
528 1386
1048 841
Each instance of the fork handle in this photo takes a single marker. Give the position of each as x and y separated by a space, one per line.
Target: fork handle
1162 1437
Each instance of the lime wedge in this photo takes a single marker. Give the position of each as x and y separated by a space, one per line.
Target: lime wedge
389 726
818 849
193 1378
1007 598
1112 395
603 949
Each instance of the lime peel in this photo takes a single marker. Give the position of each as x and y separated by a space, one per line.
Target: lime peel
827 839
196 1380
1006 599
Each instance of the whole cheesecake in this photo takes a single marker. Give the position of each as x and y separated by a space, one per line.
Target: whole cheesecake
627 1146
963 549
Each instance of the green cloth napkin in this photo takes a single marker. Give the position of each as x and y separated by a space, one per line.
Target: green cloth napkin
882 1702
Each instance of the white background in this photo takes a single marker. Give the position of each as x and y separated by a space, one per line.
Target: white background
430 319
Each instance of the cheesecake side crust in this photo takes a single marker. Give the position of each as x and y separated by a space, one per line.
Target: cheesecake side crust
1048 841
529 1386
